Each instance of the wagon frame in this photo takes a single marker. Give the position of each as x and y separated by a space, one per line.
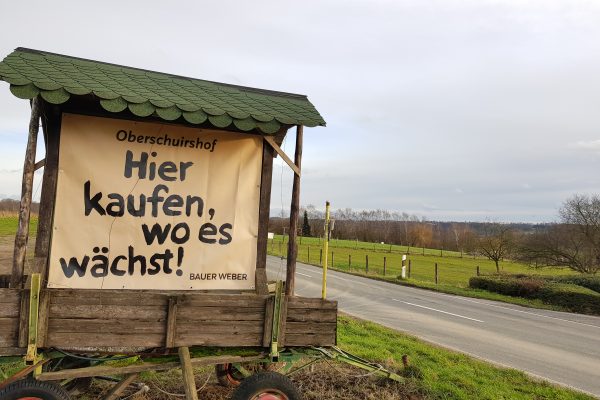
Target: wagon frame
45 324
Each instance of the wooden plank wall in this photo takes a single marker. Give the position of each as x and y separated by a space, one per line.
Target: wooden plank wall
118 321
310 322
10 305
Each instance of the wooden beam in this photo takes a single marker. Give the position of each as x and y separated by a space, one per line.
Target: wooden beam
260 279
189 382
120 387
22 236
51 120
294 166
294 214
100 370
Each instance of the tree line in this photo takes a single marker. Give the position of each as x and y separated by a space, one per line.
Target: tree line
573 241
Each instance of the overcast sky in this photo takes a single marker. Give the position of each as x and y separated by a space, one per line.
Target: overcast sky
452 110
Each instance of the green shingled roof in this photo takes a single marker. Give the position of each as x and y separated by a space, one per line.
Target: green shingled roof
56 78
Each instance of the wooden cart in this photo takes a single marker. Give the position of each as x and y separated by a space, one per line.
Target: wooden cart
114 180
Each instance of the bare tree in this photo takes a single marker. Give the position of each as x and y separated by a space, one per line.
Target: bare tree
496 242
574 242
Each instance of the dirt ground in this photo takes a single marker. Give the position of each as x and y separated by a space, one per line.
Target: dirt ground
326 380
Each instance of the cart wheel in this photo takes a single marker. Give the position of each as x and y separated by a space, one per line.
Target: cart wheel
266 386
229 376
31 389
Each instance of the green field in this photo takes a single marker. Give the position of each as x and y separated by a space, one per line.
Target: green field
8 225
453 269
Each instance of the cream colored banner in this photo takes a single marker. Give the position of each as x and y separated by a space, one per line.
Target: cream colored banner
154 206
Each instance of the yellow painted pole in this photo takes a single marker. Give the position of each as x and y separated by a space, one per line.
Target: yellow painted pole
325 251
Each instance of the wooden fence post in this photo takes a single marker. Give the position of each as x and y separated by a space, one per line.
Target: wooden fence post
423 250
308 256
436 273
332 263
321 257
367 263
384 265
478 270
409 263
349 260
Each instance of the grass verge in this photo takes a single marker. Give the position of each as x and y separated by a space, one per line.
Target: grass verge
441 373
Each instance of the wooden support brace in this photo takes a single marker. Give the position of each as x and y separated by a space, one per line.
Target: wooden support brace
39 164
294 167
120 387
171 323
189 382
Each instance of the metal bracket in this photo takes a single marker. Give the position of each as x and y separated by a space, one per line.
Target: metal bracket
274 354
338 354
34 305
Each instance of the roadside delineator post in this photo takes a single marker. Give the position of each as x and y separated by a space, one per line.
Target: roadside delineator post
403 266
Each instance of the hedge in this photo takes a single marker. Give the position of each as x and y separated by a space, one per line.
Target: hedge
572 297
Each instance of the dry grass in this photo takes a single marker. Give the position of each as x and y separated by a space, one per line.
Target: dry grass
325 380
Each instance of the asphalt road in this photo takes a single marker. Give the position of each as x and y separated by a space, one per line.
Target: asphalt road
560 347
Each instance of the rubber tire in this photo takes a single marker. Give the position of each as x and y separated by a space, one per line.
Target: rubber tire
262 382
30 387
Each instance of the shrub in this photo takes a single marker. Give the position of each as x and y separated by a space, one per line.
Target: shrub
588 281
521 287
572 297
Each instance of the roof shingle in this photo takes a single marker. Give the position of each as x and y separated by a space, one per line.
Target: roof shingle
145 93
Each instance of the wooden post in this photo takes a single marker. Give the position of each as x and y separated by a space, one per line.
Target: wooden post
308 257
260 279
436 273
294 214
441 253
321 257
189 383
384 265
349 260
22 236
332 263
51 122
478 270
367 263
409 265
423 250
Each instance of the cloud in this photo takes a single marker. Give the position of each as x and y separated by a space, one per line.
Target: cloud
589 146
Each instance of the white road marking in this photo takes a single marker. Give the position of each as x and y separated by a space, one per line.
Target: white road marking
531 313
440 311
300 273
